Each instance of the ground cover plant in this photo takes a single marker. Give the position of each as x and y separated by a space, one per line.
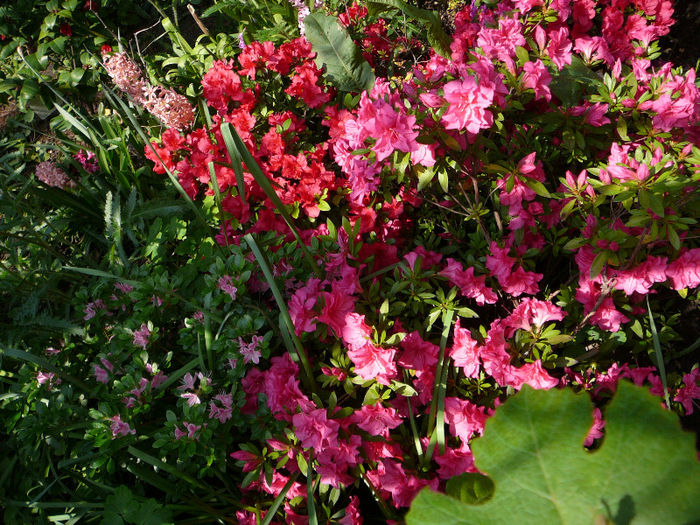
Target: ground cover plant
292 265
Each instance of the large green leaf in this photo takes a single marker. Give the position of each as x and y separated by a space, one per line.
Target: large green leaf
334 49
645 472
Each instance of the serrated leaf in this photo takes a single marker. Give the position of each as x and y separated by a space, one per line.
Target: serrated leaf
335 50
645 471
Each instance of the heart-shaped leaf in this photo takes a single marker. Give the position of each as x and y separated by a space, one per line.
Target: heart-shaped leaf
645 472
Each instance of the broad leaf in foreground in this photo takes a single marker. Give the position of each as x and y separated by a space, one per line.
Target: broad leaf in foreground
334 48
645 471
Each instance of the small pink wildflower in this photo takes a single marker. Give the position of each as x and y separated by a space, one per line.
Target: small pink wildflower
596 431
249 351
192 398
92 307
124 288
225 284
222 413
119 427
52 351
48 378
141 336
158 379
189 431
101 374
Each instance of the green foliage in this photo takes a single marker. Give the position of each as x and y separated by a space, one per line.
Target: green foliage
430 20
644 472
258 20
124 508
335 50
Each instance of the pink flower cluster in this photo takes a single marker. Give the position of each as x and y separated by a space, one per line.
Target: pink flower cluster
171 108
51 175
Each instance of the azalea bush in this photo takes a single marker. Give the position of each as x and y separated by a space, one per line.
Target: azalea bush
322 267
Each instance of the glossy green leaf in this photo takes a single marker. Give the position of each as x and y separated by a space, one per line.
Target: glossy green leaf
645 472
335 50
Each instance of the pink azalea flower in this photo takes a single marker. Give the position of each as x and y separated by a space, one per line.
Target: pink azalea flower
521 282
684 272
372 362
123 288
337 304
689 392
192 398
469 285
47 378
402 486
333 462
392 130
534 374
596 431
418 354
315 430
465 418
158 379
302 304
376 419
455 461
352 513
536 77
499 263
92 308
467 105
222 413
559 49
533 313
642 277
465 351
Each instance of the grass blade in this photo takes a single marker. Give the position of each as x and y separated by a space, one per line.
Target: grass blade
100 273
658 355
436 419
266 186
170 469
310 489
295 348
134 123
235 158
279 499
41 362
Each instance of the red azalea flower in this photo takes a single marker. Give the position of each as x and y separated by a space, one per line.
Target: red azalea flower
66 29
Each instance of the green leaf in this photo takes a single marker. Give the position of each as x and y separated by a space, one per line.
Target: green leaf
598 264
645 472
437 38
334 49
471 487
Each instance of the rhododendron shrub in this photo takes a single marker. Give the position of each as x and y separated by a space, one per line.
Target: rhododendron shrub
523 212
